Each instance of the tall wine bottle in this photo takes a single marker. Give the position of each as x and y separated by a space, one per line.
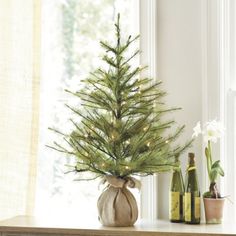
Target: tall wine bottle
176 208
192 193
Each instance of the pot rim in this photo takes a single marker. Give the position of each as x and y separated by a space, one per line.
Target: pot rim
214 199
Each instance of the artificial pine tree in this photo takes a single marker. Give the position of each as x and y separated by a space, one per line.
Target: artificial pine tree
122 130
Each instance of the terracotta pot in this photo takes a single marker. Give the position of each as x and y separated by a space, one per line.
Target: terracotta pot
213 210
117 207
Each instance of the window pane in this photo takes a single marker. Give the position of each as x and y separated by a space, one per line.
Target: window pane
229 98
71 31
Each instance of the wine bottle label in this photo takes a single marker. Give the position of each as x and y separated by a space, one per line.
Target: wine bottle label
197 207
174 205
187 206
191 168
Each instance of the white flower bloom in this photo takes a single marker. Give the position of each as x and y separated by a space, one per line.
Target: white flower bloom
212 131
197 130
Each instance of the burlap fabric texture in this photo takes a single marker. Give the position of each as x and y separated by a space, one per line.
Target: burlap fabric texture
117 205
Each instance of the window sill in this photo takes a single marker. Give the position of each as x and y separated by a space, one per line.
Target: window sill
21 225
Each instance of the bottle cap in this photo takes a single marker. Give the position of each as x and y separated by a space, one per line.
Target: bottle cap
191 158
191 155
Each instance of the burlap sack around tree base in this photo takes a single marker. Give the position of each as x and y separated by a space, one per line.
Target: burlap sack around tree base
117 207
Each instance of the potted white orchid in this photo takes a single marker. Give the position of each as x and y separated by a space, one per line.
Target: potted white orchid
213 201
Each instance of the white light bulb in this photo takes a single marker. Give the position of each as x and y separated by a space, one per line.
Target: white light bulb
127 142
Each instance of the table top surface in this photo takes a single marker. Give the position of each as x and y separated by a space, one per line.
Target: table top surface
30 224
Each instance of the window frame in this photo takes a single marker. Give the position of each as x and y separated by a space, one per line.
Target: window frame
148 47
217 101
228 98
146 18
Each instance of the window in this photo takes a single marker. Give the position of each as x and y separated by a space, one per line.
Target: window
228 99
219 53
71 31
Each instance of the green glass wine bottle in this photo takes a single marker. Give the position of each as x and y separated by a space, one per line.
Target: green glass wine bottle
176 208
192 194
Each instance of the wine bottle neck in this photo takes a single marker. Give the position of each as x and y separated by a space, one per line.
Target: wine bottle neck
191 159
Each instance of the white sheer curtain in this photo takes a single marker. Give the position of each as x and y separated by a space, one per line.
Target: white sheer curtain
19 104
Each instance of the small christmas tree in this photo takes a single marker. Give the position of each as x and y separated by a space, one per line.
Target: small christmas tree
121 130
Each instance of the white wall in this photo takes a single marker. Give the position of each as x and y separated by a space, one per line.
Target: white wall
180 68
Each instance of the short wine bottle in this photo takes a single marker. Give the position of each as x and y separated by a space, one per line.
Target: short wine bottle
176 208
192 194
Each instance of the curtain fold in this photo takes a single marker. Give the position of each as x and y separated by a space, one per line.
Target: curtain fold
19 104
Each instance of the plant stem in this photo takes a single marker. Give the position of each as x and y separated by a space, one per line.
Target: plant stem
209 148
209 159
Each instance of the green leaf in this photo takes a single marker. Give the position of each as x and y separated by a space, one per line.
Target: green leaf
221 171
207 195
213 174
216 170
216 165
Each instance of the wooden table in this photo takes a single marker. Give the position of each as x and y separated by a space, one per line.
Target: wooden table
32 226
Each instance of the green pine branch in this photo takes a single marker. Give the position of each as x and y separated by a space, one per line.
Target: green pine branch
122 129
